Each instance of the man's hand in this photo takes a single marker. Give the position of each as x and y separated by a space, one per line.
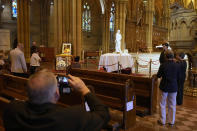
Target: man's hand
77 84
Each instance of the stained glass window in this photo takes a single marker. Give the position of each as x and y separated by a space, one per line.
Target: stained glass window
112 17
14 8
86 18
154 19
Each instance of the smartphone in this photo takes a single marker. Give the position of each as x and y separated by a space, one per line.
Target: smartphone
62 79
63 85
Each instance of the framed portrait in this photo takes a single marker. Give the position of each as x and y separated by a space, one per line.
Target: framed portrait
66 48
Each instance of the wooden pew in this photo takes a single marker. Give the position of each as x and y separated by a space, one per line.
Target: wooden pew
115 95
145 88
13 86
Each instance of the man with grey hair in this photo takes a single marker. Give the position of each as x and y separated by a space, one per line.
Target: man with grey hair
18 63
41 112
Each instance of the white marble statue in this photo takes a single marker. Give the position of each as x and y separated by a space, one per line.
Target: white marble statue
118 41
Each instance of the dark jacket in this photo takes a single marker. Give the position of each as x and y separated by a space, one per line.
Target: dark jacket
169 71
162 58
33 48
183 67
25 116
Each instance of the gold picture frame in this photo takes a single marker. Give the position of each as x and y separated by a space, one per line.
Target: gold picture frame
66 48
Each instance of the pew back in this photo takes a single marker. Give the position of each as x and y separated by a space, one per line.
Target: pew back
115 95
13 86
145 87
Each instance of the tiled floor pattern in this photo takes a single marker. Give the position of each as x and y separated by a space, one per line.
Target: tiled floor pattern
186 119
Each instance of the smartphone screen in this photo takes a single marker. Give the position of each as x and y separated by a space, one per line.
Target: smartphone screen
87 108
65 80
62 79
63 85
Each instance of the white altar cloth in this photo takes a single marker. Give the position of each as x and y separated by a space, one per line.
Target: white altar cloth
110 61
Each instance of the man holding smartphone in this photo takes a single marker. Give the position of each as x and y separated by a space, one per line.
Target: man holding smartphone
41 112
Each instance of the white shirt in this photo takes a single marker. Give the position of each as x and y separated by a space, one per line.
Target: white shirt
18 63
35 60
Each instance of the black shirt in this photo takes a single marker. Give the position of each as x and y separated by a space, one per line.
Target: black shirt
162 58
52 117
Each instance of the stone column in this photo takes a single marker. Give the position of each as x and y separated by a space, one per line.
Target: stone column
44 21
149 22
121 11
51 27
166 16
23 24
58 25
78 28
106 33
67 28
67 20
76 20
195 4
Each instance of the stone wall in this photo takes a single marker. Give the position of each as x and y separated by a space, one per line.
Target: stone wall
8 24
4 39
93 40
183 27
35 22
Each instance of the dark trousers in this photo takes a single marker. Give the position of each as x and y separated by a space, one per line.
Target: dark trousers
179 97
33 69
20 74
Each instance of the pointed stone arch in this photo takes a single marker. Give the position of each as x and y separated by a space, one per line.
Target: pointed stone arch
192 20
183 20
175 24
92 40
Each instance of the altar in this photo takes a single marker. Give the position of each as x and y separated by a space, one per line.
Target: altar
110 61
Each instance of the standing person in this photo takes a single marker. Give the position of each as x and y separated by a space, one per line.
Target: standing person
41 113
76 63
183 66
34 61
169 71
18 63
33 47
1 61
162 58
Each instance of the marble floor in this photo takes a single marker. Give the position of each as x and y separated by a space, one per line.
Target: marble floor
186 119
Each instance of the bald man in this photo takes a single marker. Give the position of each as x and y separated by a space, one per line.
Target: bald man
41 113
18 63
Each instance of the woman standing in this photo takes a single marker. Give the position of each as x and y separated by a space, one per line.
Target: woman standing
34 61
169 71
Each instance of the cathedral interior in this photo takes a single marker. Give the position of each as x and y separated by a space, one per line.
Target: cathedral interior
90 26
